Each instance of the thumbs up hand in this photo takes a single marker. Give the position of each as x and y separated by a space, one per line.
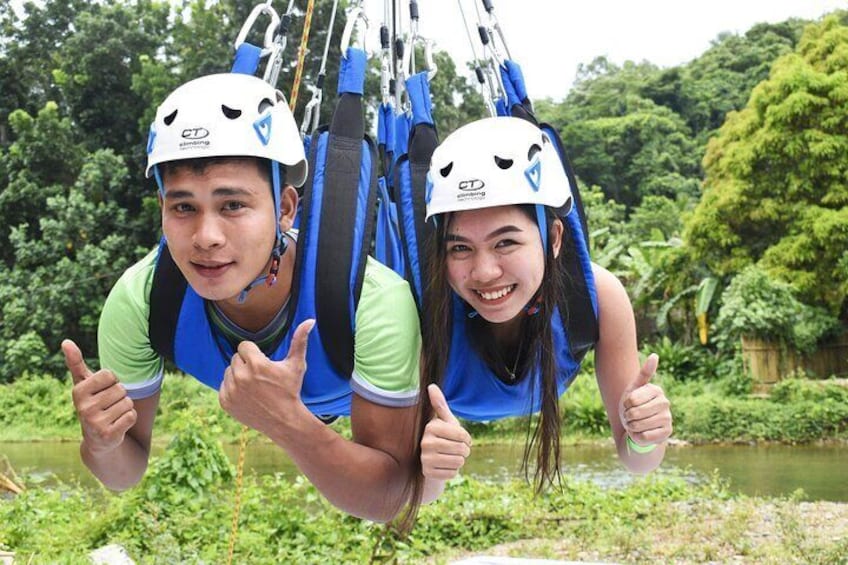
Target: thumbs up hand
644 409
105 411
256 390
445 444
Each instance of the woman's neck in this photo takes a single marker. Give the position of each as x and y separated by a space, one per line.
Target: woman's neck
507 335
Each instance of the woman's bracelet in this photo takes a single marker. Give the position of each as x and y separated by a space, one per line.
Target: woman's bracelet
636 448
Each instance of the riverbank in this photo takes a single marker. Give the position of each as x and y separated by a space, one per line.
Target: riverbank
797 411
658 519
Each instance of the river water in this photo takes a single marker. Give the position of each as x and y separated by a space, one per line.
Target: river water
772 470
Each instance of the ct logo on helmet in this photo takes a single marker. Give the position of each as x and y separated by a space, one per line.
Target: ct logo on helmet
471 185
195 133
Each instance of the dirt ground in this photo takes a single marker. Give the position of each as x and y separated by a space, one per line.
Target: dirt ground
730 532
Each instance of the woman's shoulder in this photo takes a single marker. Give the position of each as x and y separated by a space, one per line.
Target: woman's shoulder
612 296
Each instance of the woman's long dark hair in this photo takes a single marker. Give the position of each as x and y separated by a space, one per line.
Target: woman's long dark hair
535 348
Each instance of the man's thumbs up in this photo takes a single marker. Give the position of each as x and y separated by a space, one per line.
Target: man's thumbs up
257 391
105 411
74 361
445 444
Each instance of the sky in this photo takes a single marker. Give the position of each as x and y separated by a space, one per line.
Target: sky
550 38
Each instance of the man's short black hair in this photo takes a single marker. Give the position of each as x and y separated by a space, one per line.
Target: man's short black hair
199 165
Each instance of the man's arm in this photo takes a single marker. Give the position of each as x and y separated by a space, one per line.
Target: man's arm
116 430
365 477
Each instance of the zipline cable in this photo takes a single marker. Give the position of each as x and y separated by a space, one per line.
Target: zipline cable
486 87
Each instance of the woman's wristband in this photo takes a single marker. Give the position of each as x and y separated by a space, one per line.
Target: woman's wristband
636 448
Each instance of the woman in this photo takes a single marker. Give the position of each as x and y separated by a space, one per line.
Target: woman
506 261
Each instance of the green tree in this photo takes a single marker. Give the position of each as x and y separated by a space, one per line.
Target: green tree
29 47
44 158
719 81
96 66
620 140
63 270
775 188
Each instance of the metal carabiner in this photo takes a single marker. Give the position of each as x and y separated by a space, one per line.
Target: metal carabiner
430 63
355 15
311 112
494 24
265 8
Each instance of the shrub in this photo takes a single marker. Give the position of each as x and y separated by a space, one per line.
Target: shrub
756 305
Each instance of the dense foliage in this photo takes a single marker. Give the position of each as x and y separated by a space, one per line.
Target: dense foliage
703 388
775 190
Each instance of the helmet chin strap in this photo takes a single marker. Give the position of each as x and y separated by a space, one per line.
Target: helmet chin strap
280 243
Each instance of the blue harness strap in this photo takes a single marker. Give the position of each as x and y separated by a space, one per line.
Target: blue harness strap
579 311
247 59
386 137
517 103
387 244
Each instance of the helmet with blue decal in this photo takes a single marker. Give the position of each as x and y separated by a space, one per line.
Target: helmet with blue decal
227 115
230 115
496 162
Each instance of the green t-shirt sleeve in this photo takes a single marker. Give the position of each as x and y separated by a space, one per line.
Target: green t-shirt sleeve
122 335
387 341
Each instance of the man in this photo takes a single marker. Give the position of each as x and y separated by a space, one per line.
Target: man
226 152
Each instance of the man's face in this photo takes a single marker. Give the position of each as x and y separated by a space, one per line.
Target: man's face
219 225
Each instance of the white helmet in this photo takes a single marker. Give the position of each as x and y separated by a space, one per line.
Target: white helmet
227 115
496 162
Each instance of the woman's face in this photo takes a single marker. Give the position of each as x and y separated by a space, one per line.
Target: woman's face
495 260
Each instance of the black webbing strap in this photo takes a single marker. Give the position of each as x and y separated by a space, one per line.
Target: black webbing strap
422 142
337 230
577 312
166 301
572 178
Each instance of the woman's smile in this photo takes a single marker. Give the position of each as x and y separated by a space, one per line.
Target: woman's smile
496 295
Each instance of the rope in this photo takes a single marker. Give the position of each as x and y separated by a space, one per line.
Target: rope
243 439
301 54
237 503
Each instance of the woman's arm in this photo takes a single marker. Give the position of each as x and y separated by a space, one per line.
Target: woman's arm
634 406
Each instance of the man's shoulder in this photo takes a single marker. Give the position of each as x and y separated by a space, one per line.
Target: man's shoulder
136 281
379 276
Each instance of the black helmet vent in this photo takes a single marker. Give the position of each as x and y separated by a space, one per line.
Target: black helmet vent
503 163
231 113
169 119
265 104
